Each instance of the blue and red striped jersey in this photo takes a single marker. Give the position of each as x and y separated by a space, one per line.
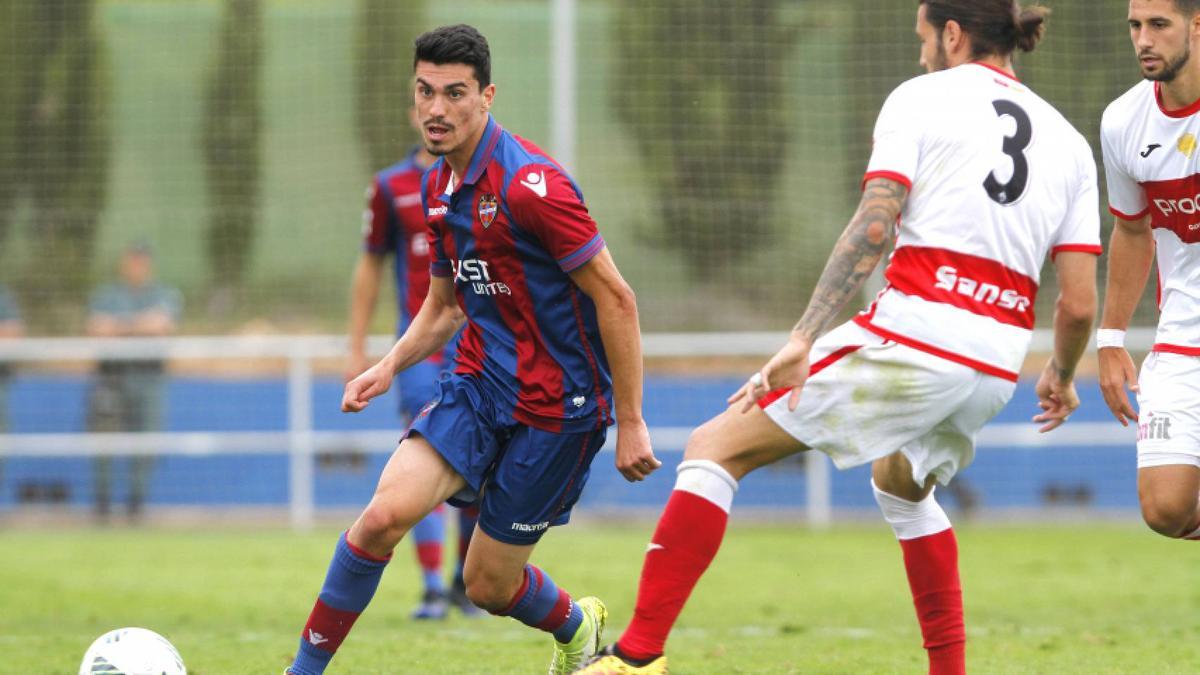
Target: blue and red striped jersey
509 233
394 224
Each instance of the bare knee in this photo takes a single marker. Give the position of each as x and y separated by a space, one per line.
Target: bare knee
490 591
379 528
714 441
1167 516
700 443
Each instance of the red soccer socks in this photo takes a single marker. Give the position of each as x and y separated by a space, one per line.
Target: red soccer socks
687 538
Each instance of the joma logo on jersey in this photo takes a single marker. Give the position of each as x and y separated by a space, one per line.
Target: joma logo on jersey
475 272
530 527
948 279
438 211
1154 428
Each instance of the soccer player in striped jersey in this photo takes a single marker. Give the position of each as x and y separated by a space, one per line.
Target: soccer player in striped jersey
980 179
549 358
394 225
1149 141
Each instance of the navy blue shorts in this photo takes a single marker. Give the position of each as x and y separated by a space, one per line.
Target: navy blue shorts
525 480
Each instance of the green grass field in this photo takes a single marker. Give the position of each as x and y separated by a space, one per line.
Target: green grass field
1083 598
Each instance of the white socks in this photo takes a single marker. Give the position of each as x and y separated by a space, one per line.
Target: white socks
911 520
705 478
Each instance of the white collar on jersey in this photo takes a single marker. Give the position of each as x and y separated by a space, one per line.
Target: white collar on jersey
450 185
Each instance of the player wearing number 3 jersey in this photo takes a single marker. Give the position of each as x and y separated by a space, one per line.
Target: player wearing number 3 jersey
980 180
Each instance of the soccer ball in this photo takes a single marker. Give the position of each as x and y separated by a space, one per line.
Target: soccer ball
132 651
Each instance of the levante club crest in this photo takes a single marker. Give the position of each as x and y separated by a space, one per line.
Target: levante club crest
487 210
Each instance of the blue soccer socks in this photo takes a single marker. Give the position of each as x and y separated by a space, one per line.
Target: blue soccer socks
543 605
350 583
428 536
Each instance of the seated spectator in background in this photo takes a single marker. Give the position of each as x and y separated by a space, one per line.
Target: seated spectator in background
127 395
11 326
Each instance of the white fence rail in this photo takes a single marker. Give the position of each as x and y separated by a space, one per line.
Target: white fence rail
301 441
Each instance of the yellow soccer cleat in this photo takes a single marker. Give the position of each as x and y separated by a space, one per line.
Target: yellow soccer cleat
609 662
569 656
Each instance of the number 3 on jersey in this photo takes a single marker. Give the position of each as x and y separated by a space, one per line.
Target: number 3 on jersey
1014 146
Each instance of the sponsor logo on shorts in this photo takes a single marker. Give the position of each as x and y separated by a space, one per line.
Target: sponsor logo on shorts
530 527
426 409
1152 428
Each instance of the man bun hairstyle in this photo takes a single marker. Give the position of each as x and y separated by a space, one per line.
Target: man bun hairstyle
456 44
995 26
1031 25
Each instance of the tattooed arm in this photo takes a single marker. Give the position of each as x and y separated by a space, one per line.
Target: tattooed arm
854 257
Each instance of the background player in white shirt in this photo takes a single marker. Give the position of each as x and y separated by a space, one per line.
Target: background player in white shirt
986 179
1149 140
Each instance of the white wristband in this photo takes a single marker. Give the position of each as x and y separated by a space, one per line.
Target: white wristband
1110 337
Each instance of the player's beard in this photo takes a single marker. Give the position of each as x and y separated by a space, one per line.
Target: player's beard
1170 69
939 60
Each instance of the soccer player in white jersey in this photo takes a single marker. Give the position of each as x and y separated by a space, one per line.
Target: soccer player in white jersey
986 179
1149 141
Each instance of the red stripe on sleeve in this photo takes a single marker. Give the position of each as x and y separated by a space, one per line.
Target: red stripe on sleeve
1094 249
1125 216
890 175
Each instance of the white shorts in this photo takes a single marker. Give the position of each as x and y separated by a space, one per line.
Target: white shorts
1169 410
868 397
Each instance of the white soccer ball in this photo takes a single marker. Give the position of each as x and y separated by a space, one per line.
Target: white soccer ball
132 651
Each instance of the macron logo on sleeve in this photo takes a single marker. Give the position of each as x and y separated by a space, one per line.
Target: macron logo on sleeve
536 182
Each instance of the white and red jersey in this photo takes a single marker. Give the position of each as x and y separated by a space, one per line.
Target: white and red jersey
997 180
1153 165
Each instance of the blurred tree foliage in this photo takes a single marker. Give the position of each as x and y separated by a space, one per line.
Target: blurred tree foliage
877 60
700 83
383 76
54 149
232 149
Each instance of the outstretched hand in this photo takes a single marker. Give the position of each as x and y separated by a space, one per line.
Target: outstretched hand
374 381
788 369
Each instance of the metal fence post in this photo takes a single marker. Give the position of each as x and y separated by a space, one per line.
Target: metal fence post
300 431
817 475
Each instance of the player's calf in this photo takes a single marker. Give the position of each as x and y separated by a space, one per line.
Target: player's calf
1170 500
1171 518
490 591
